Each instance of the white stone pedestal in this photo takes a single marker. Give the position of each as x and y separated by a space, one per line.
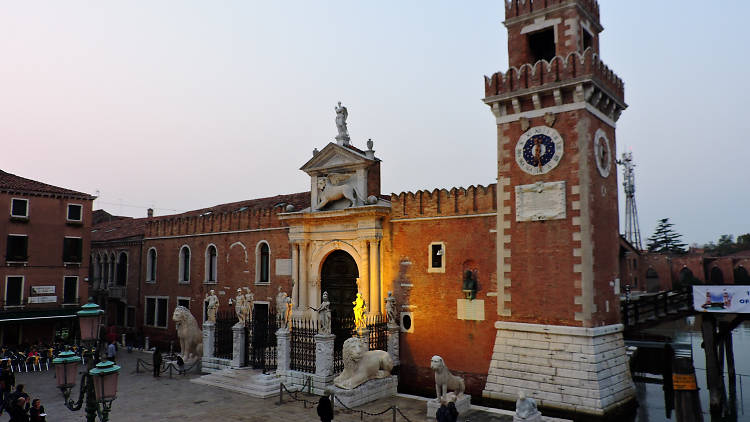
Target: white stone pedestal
463 405
324 355
393 351
370 391
238 345
575 369
364 337
283 351
209 334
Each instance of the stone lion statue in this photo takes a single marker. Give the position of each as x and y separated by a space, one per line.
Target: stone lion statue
361 366
329 191
444 380
191 337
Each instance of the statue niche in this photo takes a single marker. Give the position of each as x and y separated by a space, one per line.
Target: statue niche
338 191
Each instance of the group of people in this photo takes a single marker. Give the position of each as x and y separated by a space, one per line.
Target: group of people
18 403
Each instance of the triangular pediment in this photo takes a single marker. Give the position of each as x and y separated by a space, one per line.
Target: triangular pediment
335 157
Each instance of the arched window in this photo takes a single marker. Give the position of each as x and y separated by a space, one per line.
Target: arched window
211 262
740 275
262 263
122 269
151 266
111 278
717 277
184 265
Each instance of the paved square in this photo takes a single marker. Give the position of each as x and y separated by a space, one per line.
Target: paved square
145 398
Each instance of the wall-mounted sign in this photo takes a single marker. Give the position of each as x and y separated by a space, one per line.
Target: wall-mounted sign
42 290
42 299
726 299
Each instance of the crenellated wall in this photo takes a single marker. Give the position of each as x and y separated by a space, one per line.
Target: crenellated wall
442 202
574 65
518 8
214 222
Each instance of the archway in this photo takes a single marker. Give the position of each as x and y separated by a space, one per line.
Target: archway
741 276
338 277
717 277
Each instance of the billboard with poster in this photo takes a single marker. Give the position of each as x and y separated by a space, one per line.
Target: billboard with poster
723 299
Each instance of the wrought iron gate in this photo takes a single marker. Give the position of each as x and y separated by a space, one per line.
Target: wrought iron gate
260 334
224 341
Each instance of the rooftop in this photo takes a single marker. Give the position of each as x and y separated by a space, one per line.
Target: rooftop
16 184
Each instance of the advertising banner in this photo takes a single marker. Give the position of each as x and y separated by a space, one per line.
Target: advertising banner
725 299
43 290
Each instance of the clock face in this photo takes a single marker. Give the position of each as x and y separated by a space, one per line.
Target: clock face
539 150
602 153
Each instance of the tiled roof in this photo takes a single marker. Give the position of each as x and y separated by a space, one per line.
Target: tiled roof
12 183
300 201
119 229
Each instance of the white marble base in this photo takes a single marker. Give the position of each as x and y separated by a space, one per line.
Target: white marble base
463 404
370 391
534 418
575 369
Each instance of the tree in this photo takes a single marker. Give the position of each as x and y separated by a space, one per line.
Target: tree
666 239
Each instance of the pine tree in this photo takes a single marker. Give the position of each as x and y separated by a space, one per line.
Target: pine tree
665 239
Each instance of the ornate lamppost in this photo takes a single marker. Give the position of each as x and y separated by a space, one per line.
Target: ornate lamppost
98 383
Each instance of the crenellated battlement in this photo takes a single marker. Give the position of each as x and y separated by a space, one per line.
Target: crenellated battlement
443 202
574 65
519 8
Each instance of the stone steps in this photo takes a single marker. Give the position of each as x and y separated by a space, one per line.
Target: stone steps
244 381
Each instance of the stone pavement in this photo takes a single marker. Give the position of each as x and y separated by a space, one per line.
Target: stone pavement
144 398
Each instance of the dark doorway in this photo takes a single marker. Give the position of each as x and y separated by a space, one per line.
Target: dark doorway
717 277
741 276
339 278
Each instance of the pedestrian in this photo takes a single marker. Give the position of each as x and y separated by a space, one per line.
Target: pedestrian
447 411
37 413
20 394
157 361
111 351
18 411
325 408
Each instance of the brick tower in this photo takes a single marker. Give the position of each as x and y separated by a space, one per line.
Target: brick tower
558 332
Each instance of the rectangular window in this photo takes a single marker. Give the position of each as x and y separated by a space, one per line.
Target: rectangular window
17 248
542 45
75 212
14 291
70 290
183 301
161 312
436 258
72 249
150 310
19 207
588 40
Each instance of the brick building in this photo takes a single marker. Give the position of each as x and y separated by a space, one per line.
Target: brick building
45 258
514 284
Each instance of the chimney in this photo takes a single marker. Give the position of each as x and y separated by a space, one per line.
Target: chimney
150 212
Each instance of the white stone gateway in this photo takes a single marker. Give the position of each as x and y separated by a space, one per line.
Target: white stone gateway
191 337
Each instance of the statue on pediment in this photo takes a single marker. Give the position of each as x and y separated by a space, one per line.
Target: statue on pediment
341 115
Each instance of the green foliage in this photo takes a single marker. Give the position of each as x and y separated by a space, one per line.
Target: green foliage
665 239
727 246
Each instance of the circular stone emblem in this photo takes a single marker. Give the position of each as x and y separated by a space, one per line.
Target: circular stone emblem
602 153
539 150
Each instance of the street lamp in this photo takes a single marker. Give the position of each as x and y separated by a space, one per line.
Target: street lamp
99 383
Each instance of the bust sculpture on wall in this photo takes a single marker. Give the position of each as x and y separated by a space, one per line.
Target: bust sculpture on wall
469 285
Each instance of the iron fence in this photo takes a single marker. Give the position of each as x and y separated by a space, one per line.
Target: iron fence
224 340
342 326
303 345
378 327
260 333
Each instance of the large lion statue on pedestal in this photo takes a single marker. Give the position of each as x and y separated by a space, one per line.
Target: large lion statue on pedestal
191 337
361 366
444 380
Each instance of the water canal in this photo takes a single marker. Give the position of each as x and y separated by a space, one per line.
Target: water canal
654 405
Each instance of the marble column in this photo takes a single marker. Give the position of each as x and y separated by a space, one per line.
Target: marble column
393 344
303 301
295 273
374 277
283 351
364 274
238 345
209 334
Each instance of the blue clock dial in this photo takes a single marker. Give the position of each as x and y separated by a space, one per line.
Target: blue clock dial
538 150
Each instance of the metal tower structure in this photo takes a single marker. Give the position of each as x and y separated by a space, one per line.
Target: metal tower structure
632 229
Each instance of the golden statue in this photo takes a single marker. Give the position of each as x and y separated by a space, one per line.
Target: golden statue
360 310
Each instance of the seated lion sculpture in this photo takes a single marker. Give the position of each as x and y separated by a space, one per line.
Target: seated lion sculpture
444 380
191 337
361 366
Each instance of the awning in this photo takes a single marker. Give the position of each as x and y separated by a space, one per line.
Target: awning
31 315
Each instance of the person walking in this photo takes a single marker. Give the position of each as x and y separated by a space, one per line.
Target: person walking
325 408
18 411
111 351
37 413
157 361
